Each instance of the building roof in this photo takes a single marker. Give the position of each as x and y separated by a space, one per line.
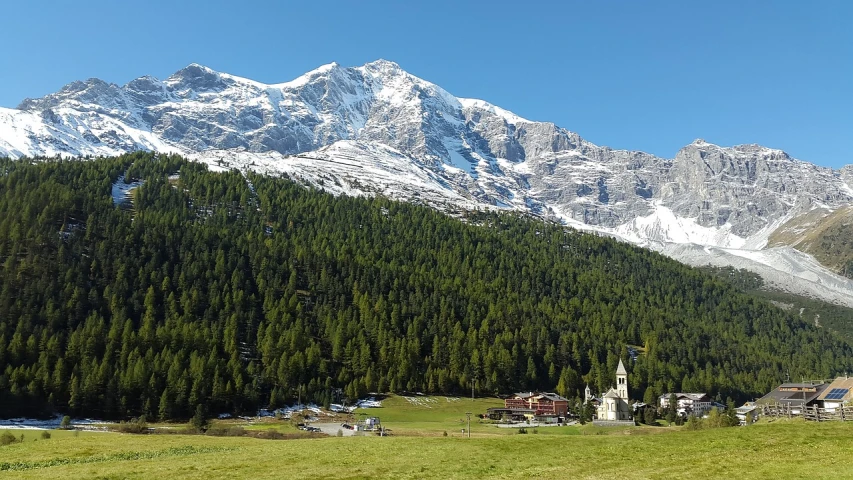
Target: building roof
840 390
620 370
524 395
550 396
692 396
794 393
612 393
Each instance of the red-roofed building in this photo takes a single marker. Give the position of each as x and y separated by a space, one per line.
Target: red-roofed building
542 403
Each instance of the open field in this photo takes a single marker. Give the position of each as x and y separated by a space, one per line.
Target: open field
418 449
777 450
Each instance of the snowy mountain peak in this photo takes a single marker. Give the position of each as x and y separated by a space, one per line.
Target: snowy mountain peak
511 118
383 65
378 129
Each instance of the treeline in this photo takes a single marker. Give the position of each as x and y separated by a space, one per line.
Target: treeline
237 291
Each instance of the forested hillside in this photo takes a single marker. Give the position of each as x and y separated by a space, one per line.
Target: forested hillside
237 292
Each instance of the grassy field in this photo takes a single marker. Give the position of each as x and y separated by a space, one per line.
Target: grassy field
773 450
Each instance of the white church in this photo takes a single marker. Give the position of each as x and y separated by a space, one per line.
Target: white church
614 405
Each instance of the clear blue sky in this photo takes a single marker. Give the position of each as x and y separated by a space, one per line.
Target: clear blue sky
646 75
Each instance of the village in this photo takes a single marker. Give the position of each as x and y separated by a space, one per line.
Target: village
815 400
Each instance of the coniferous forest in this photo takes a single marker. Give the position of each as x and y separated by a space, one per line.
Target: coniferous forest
238 291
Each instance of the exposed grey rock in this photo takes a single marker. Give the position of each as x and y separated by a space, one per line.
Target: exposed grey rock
476 149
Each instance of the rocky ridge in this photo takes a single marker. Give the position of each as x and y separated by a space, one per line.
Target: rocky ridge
378 129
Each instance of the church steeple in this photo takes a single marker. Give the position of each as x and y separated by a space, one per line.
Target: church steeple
622 381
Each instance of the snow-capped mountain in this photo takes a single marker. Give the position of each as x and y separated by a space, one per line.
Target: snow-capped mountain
376 129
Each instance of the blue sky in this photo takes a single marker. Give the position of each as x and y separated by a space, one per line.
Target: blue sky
645 75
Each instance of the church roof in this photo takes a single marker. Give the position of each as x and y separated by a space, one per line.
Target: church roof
620 370
612 393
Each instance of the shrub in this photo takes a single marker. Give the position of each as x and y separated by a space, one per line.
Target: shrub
135 425
340 433
45 435
65 424
271 435
445 433
6 438
522 431
224 432
693 423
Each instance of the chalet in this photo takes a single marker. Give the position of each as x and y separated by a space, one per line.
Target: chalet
794 396
744 411
697 404
836 394
541 403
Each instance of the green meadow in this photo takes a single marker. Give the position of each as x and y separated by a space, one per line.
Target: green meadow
418 449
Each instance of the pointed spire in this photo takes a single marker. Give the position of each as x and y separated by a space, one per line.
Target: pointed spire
620 370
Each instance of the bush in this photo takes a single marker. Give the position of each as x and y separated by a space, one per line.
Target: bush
693 423
444 434
522 431
65 424
225 432
135 425
6 438
340 433
45 435
271 435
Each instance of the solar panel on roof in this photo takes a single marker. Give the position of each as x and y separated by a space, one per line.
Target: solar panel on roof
837 394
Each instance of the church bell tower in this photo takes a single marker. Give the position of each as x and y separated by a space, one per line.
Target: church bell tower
622 381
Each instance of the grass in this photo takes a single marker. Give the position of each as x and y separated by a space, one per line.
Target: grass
431 416
776 450
418 449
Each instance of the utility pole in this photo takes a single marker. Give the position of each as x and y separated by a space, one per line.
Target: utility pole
468 414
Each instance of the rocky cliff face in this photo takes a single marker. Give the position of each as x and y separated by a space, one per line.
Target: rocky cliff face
378 129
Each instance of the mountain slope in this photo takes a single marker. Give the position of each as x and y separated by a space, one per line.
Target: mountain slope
378 129
238 292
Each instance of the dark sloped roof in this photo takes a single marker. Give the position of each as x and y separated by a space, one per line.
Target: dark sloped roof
692 396
794 393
